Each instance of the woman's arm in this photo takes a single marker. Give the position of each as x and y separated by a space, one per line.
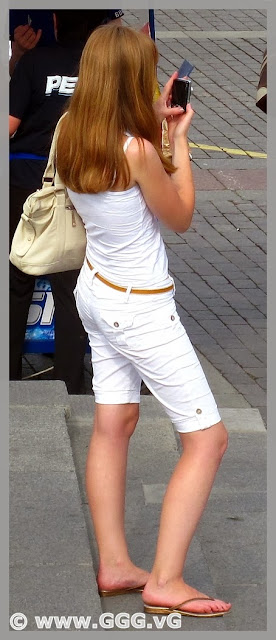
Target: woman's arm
170 198
181 158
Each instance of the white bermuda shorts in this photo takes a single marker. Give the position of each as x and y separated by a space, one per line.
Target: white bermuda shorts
135 337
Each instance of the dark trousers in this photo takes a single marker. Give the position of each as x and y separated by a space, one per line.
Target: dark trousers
70 337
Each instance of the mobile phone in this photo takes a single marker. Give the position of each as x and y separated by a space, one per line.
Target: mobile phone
181 92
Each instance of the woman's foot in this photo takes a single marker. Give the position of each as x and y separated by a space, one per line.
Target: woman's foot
174 593
117 577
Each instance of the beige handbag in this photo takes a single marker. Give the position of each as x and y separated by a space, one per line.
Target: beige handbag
50 236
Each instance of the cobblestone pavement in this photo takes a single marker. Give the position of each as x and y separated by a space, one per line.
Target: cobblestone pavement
219 264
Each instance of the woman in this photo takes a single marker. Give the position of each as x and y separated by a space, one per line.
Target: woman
110 159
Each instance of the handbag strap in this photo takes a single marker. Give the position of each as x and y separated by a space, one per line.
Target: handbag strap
50 174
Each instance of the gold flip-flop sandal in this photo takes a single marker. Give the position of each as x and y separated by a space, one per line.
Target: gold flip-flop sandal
166 610
121 591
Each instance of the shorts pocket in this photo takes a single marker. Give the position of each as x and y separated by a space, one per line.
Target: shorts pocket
163 318
157 327
137 329
117 319
116 326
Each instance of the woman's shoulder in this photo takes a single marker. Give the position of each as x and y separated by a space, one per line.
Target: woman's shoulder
139 149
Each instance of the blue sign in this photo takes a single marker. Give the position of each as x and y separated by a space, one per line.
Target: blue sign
40 330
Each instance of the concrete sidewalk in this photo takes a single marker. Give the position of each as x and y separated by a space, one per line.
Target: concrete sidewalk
53 555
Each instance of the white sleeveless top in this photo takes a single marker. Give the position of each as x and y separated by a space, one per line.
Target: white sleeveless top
124 242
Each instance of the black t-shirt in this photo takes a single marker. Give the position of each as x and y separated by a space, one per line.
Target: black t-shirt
41 84
43 19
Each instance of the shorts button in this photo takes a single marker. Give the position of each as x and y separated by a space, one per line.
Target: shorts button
172 318
116 324
199 411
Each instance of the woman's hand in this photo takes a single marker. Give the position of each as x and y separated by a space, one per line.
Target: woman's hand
178 125
162 106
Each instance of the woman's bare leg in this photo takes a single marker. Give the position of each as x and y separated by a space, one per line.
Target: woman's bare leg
186 496
105 486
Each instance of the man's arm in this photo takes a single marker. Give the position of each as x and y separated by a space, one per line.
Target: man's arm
13 125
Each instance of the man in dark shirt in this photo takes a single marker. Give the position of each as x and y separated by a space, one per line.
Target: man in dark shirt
34 27
43 80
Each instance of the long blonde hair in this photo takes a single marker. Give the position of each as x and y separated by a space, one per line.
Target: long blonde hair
113 94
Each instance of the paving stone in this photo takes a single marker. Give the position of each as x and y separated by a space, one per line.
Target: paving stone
258 255
230 319
233 371
245 284
247 420
250 314
256 371
189 302
227 340
204 342
262 382
254 394
243 357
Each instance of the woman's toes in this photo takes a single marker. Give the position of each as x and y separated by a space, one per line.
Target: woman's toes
211 606
220 605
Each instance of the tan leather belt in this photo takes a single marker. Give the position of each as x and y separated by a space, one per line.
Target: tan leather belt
139 291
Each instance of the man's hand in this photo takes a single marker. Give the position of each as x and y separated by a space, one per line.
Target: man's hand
25 38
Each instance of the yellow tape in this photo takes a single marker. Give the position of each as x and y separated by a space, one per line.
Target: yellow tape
236 152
